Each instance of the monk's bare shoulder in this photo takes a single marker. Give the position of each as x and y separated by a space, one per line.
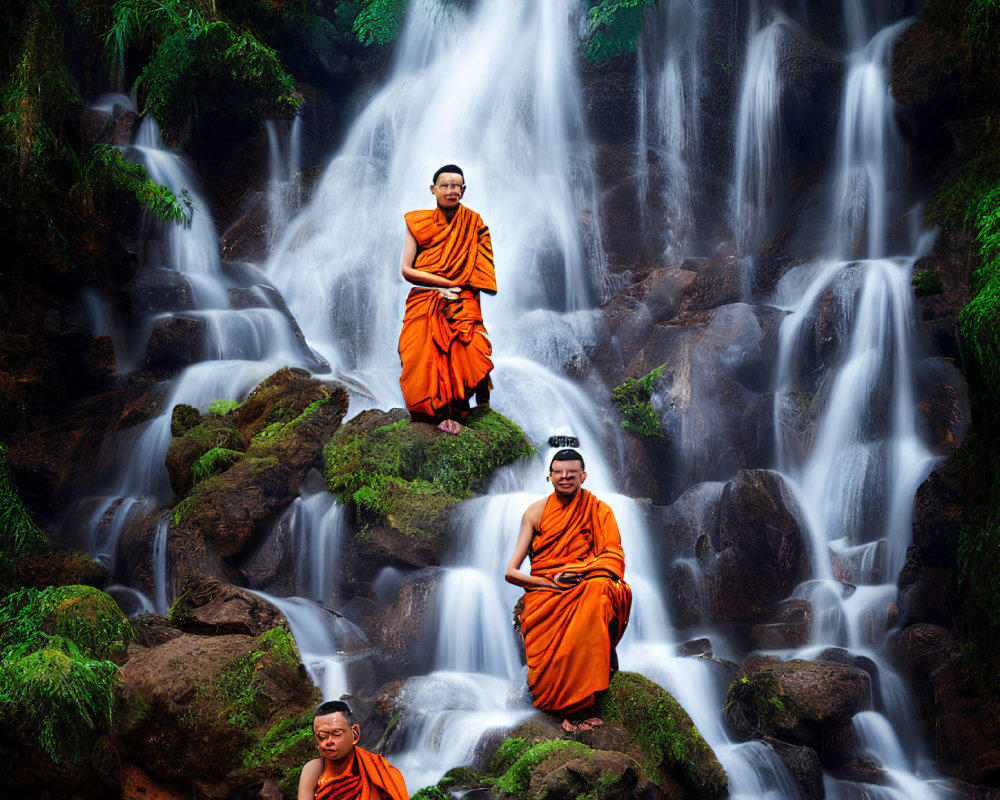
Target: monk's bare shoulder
533 513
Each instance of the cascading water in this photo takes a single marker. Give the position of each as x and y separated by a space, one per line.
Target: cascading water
494 88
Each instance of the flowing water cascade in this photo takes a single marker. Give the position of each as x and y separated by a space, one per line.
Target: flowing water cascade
494 87
669 107
284 185
855 482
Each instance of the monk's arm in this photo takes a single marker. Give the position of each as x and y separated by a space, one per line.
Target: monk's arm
307 780
514 574
416 276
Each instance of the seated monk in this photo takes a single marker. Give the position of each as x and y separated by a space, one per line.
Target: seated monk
443 346
576 603
345 771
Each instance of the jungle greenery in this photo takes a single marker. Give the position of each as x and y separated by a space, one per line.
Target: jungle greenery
58 648
634 399
969 38
19 535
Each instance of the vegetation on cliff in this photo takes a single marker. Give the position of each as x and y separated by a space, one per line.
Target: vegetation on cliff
404 472
968 45
57 666
634 403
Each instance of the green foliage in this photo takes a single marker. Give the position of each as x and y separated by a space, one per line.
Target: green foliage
614 27
517 778
213 68
55 676
216 460
107 170
379 21
927 282
633 399
19 535
431 793
509 752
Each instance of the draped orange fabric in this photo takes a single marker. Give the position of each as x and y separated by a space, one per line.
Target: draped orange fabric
569 634
370 777
443 346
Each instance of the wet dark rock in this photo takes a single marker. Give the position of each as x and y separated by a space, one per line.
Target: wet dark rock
159 289
690 517
183 418
211 606
808 703
403 633
803 763
246 237
758 553
785 625
175 343
695 647
241 298
928 597
61 568
685 593
944 403
197 683
860 769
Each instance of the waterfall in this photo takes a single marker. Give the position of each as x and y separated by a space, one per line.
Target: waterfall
493 87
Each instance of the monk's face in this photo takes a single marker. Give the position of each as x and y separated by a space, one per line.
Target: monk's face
566 477
335 736
448 189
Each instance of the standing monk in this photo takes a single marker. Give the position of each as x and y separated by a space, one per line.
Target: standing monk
344 771
576 602
443 346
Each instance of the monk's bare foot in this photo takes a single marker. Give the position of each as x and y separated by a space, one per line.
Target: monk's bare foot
450 426
593 722
569 726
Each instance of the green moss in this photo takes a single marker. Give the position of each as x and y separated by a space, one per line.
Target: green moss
223 407
238 684
509 752
517 778
665 733
56 678
757 698
926 283
21 536
288 741
633 399
216 460
404 474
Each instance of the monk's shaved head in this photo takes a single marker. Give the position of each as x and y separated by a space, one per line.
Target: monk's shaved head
449 168
567 455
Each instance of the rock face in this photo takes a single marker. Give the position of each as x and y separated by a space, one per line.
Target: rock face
802 703
965 718
225 693
757 554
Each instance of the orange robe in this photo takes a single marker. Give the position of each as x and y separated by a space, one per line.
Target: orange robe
370 777
570 634
443 346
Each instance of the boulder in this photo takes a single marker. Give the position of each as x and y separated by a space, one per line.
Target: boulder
212 432
175 342
803 763
807 703
277 400
783 626
226 693
229 509
61 568
757 554
400 480
211 606
403 633
156 289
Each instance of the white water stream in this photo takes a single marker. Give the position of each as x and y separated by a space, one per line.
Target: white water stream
494 88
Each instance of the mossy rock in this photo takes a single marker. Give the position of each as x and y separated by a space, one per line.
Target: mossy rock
408 475
56 669
664 732
211 433
61 568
